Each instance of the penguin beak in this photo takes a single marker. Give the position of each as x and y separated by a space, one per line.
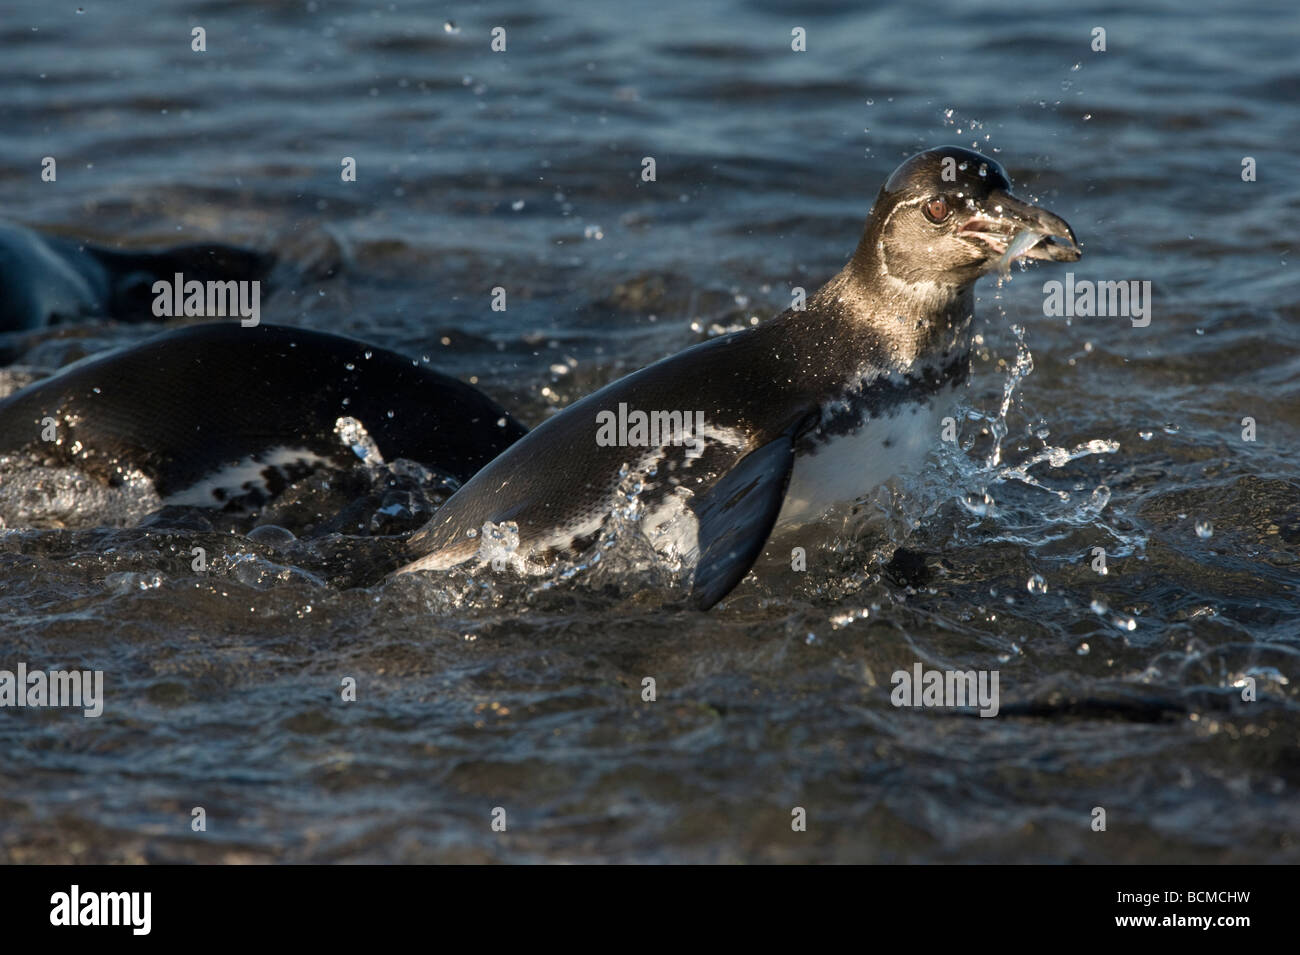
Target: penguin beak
1001 217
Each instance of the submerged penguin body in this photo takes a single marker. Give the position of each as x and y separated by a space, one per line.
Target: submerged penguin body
213 411
48 280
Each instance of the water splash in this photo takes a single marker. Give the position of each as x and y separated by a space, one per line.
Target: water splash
976 477
34 495
354 436
1020 370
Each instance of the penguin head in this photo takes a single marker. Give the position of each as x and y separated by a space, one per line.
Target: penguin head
946 216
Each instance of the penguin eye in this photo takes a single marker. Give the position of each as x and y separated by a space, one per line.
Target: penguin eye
936 210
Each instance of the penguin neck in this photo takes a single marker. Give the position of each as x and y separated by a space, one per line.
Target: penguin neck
919 325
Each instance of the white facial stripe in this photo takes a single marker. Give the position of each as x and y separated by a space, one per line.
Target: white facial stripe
884 227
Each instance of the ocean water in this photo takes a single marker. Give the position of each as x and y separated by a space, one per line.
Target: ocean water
522 169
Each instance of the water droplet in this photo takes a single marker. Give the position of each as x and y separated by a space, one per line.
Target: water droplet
450 27
272 535
517 205
981 505
1146 435
1204 530
1083 650
1037 585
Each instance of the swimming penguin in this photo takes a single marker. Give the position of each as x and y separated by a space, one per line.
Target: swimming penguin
47 280
215 412
778 425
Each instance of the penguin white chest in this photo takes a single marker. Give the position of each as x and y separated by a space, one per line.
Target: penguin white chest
837 472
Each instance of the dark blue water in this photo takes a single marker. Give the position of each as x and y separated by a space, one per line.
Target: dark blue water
522 170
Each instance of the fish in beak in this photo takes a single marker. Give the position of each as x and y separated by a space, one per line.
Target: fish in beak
1000 217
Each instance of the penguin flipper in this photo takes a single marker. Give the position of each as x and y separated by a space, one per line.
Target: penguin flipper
736 516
